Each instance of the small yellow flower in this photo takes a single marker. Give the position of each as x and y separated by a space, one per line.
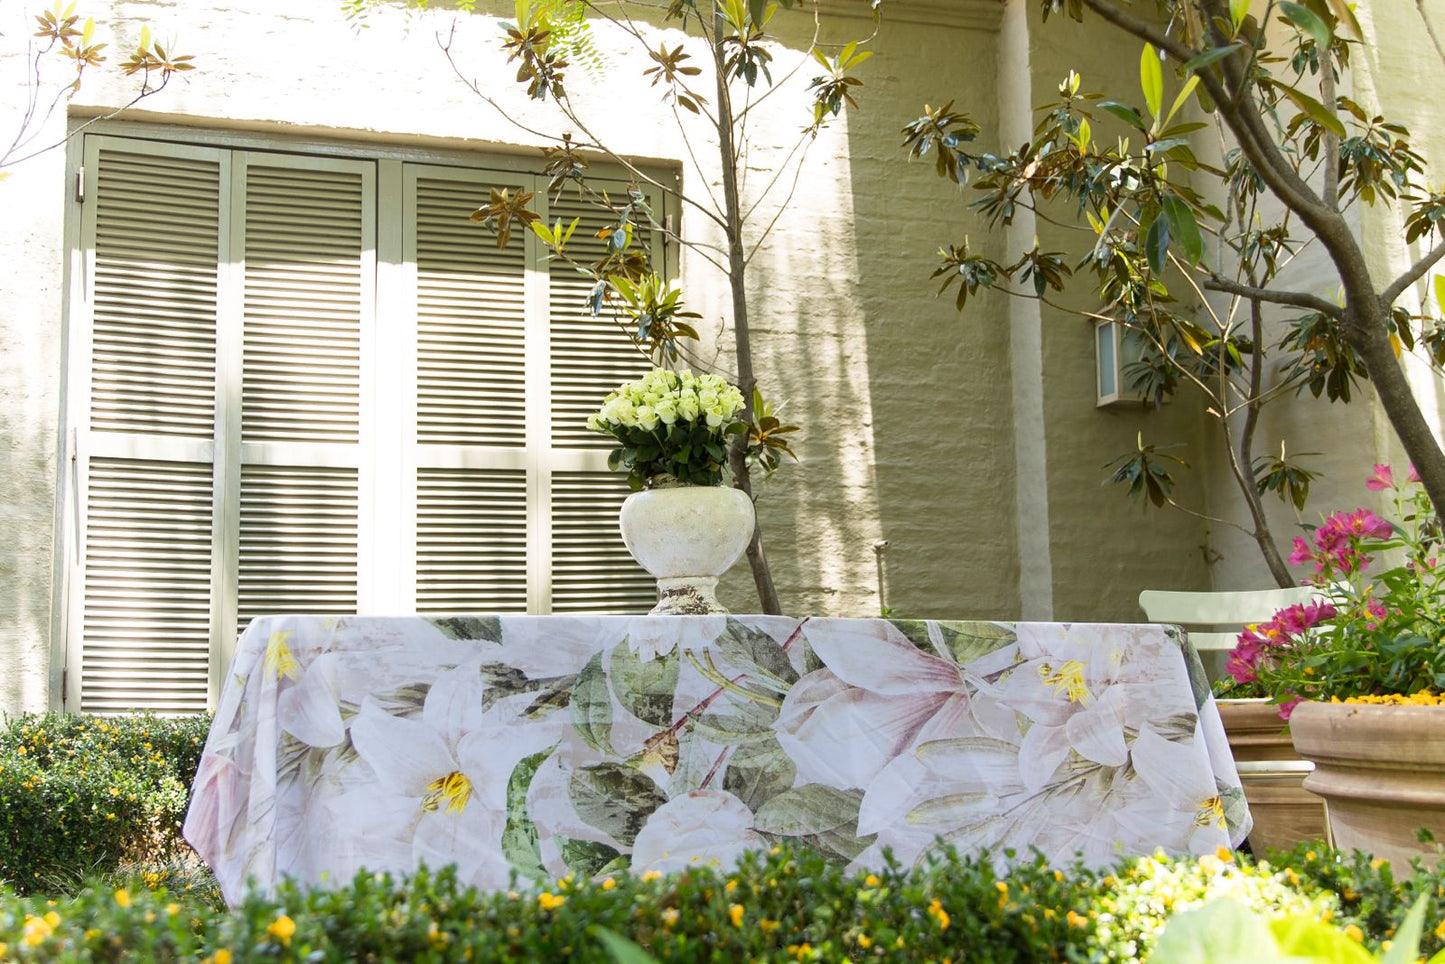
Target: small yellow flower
864 941
52 918
1354 933
670 916
735 914
36 930
122 897
223 956
1224 853
282 928
608 884
936 911
1076 919
652 875
768 926
732 885
550 901
1440 930
871 880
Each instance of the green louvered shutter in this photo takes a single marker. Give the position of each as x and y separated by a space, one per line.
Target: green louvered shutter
153 235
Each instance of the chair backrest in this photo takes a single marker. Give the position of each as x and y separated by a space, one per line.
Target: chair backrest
1231 611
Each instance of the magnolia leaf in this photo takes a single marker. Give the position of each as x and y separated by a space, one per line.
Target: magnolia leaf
591 706
645 687
1124 112
588 858
756 653
1182 97
811 808
759 771
1210 56
614 798
1156 245
1183 228
1345 13
488 628
519 838
1151 79
1316 111
1238 10
1307 20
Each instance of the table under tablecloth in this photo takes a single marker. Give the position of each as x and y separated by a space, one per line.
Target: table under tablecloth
539 746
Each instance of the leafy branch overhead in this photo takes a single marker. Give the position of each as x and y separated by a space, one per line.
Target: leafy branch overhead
61 32
1235 155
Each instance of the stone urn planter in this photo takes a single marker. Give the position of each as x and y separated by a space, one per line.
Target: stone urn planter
1272 774
687 536
1381 772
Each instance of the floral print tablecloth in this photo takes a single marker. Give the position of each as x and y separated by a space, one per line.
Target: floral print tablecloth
544 745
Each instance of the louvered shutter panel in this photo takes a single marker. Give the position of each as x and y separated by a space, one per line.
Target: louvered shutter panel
152 234
471 541
469 434
147 572
592 571
589 356
590 568
308 255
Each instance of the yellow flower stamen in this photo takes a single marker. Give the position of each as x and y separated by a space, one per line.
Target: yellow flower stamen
278 656
1067 680
454 788
1211 811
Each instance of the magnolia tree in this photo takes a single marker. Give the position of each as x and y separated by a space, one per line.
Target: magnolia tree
1238 155
721 92
57 56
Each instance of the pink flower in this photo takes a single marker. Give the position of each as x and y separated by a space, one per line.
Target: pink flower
1287 707
1384 478
1302 552
1413 476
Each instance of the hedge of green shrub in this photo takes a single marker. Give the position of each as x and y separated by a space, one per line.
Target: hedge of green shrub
81 795
783 906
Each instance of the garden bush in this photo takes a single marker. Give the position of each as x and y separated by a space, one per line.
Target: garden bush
782 906
82 795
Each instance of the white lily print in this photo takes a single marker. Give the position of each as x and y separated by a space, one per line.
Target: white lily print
439 788
878 696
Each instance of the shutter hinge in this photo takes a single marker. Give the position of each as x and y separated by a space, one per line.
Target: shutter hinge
80 185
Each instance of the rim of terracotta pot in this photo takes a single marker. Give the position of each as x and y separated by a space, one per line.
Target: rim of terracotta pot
1358 732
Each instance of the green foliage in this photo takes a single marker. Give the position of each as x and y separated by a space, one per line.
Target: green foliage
80 795
783 906
1145 471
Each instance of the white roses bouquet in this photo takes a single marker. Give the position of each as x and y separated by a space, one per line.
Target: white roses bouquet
670 424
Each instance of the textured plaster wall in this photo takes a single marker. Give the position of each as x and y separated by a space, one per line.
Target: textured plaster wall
905 405
1105 548
30 352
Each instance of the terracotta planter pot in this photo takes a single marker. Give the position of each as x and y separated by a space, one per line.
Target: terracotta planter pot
1381 772
1272 774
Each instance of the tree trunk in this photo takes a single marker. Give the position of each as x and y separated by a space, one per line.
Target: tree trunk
747 381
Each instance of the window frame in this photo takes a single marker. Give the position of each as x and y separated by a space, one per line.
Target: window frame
387 581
